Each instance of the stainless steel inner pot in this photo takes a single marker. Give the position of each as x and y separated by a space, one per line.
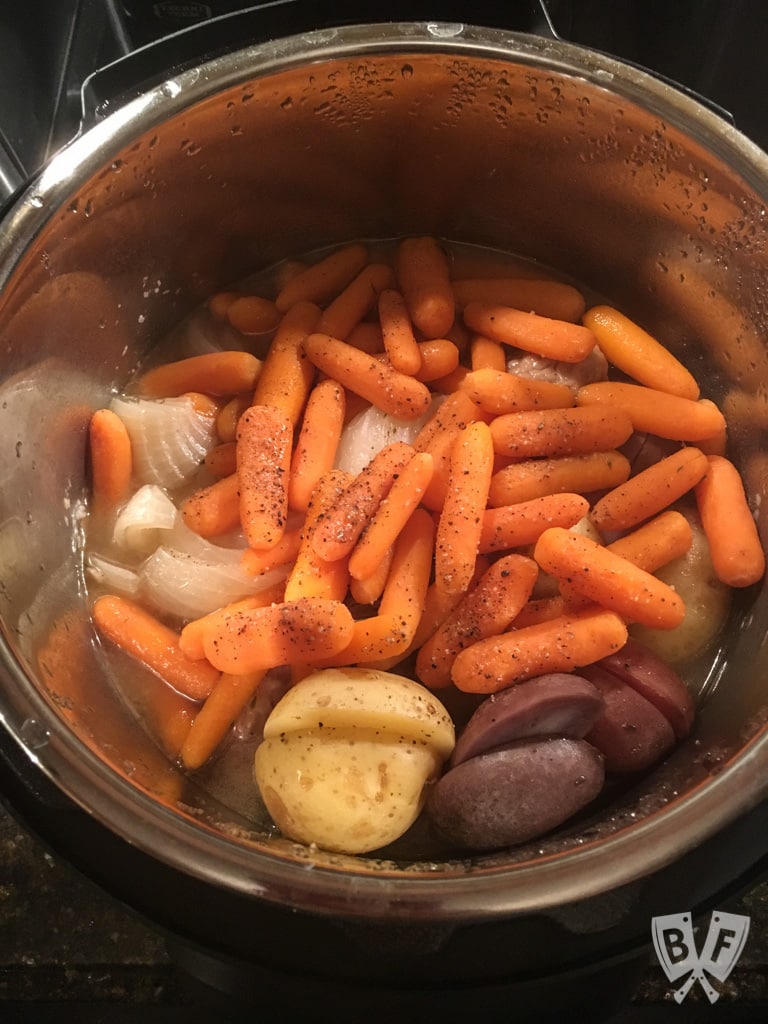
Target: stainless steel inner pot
480 136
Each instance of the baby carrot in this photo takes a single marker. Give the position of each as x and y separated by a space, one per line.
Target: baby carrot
552 339
151 642
369 589
554 432
194 632
534 478
213 510
457 410
656 412
539 609
367 337
317 442
357 299
305 630
264 440
391 516
230 695
650 491
498 393
342 524
376 381
286 376
311 574
422 271
451 381
486 354
219 303
729 526
655 543
222 460
214 373
638 354
608 579
514 526
561 644
324 279
253 314
111 459
397 331
226 421
461 519
486 610
439 359
255 563
553 299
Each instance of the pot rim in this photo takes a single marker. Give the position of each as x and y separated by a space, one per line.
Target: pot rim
592 869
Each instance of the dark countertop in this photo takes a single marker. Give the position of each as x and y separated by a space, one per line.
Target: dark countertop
70 952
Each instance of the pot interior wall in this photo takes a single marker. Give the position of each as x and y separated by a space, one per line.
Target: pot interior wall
518 153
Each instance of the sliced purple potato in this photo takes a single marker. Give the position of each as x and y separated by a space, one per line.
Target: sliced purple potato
556 704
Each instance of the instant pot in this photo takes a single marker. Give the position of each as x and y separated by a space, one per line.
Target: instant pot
203 141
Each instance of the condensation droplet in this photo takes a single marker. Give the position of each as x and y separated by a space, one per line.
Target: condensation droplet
36 201
33 735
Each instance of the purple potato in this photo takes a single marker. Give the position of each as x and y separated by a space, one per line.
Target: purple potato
516 793
555 704
631 733
655 680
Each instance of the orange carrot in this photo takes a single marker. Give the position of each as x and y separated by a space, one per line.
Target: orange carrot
524 481
608 579
397 331
650 491
539 609
655 543
286 376
203 404
305 630
552 339
367 337
389 634
111 460
358 298
422 271
213 510
219 303
324 279
222 460
255 563
214 373
376 381
439 358
439 450
369 589
192 636
317 442
145 638
391 516
639 355
230 695
487 354
486 610
553 299
451 381
656 412
561 644
514 526
339 529
227 420
311 574
498 393
554 432
729 526
461 519
264 439
456 411
252 314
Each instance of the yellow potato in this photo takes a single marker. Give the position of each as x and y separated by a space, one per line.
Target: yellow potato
346 756
366 699
345 790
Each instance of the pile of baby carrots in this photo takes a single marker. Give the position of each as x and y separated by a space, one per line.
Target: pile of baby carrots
434 549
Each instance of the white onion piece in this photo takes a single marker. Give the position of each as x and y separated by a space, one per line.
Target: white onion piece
169 438
371 430
144 520
184 585
187 542
113 577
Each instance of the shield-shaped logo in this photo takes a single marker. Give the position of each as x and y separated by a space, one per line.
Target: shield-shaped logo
675 945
